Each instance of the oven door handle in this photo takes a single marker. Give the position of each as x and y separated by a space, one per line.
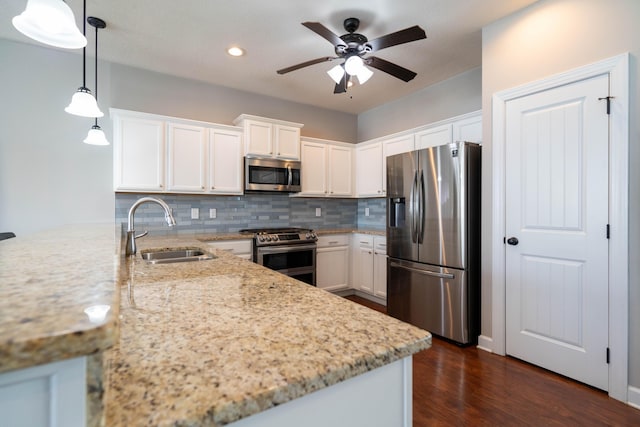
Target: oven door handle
285 248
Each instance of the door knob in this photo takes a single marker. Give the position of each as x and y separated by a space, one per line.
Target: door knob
512 241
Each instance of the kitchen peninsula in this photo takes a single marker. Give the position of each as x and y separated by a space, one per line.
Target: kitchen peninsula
214 342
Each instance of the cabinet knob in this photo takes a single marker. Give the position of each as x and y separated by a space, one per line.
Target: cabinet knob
160 185
213 188
202 187
278 154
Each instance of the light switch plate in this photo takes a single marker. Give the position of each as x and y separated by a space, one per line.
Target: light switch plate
213 213
195 213
366 211
318 211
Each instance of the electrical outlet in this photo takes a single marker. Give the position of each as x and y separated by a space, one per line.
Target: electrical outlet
195 213
366 211
213 213
318 211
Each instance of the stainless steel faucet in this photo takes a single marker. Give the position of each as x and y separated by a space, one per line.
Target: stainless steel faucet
131 232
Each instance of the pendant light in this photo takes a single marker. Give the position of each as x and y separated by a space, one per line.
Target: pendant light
50 22
96 135
83 103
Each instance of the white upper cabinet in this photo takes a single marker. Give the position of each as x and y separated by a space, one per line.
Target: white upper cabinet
139 153
468 130
340 182
265 137
193 157
369 174
432 137
327 169
225 161
399 144
186 158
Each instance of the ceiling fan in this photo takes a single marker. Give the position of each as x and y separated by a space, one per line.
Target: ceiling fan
352 47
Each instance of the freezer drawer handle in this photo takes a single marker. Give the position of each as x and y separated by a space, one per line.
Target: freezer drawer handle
425 272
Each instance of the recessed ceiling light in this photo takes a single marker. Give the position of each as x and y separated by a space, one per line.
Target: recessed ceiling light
235 51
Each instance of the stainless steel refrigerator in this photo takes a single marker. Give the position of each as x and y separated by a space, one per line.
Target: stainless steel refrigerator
433 239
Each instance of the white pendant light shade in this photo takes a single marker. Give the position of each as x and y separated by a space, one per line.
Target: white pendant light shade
50 22
364 74
353 65
96 136
84 104
336 73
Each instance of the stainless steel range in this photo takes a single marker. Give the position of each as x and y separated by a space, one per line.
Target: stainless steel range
290 251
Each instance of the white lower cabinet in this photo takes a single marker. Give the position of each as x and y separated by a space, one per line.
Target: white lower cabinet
47 395
369 268
240 248
332 262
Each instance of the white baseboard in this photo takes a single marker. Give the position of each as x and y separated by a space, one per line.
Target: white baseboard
633 397
485 343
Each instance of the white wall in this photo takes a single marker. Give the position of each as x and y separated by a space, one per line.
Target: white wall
48 177
452 97
547 38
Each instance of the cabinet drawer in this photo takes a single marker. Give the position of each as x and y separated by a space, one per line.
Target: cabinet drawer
380 245
333 240
233 246
363 241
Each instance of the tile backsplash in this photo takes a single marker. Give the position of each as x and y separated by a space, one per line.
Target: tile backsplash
251 211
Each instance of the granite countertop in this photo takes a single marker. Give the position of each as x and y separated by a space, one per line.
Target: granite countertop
215 341
196 343
212 237
47 282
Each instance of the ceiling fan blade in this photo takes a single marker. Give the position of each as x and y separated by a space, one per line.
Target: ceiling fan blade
342 86
390 68
306 64
324 32
399 37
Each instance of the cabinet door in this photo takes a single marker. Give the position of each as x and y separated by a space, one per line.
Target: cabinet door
314 168
433 137
287 142
258 138
225 162
363 263
339 173
52 394
401 144
469 130
186 158
138 154
380 267
369 171
332 268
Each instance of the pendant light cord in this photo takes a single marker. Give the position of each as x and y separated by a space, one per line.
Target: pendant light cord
96 70
84 49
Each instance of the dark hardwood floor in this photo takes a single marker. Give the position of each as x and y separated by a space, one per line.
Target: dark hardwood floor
465 386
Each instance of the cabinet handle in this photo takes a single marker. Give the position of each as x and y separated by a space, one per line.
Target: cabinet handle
334 242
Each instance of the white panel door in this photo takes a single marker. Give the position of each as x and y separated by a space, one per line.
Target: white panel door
186 158
557 209
225 162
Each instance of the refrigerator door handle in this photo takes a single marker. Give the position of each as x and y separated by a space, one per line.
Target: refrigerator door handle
412 204
425 272
421 208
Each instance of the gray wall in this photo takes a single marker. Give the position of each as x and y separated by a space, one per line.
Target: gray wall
547 38
48 177
455 96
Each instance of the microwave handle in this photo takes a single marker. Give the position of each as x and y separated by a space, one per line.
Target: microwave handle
290 181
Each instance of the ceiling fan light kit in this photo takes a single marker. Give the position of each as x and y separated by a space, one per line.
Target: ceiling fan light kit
352 47
50 22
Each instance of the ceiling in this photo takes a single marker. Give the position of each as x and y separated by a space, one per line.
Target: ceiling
189 38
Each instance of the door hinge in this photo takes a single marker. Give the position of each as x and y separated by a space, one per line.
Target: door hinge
608 98
608 355
608 231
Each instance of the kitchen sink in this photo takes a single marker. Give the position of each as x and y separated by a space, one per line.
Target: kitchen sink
165 256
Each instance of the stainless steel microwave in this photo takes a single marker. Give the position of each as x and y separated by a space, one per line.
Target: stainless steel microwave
271 175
